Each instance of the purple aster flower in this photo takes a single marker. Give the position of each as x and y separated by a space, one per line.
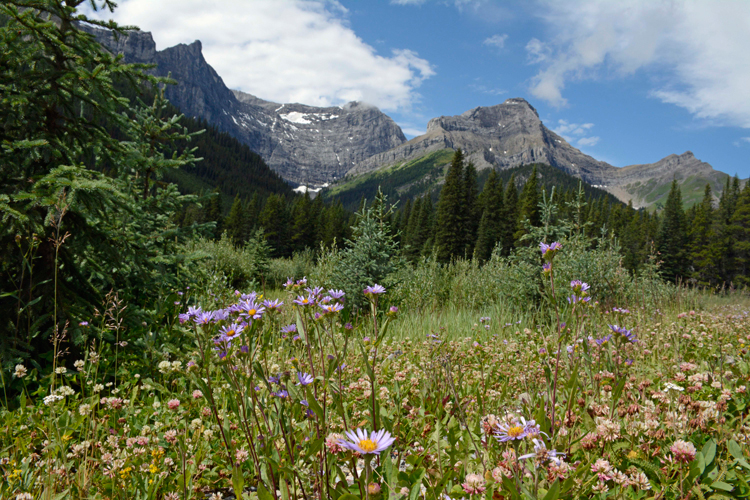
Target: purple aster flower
251 310
336 294
183 317
230 332
289 283
304 301
304 378
348 326
304 402
194 311
302 282
281 394
295 338
314 291
317 315
393 310
249 296
325 300
274 380
543 454
549 251
332 308
220 315
603 340
272 305
627 334
289 328
374 290
204 318
547 268
244 349
579 286
510 432
360 442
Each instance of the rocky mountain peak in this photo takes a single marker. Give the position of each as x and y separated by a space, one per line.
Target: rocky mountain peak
305 144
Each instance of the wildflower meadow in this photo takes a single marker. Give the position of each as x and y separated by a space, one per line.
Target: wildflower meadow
293 397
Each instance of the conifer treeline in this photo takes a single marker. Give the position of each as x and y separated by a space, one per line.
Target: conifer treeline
705 245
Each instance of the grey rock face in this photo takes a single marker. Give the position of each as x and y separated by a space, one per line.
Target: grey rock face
305 144
502 136
511 134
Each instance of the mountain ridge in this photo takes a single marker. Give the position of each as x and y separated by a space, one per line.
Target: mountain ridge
304 144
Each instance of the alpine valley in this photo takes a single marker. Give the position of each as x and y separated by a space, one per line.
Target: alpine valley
351 149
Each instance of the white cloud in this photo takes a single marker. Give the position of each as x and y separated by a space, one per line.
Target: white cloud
698 47
576 133
483 89
587 141
496 40
291 51
743 141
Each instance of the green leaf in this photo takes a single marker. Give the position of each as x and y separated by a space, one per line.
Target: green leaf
721 485
263 493
709 451
554 492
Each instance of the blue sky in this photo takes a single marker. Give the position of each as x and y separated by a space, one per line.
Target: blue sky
626 82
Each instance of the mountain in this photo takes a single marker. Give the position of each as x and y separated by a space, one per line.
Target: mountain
304 144
511 134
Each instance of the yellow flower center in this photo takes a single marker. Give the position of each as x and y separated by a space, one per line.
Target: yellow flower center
251 312
515 431
304 301
231 333
367 446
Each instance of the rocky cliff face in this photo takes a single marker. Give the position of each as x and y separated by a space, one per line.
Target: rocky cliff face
304 144
511 134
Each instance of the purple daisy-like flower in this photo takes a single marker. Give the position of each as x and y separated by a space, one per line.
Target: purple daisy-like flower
182 317
624 332
509 432
315 291
274 380
251 310
221 315
272 305
289 328
579 286
230 332
336 294
282 394
302 282
543 454
374 290
304 378
547 268
360 442
549 251
204 318
289 283
194 311
603 340
249 296
331 308
304 301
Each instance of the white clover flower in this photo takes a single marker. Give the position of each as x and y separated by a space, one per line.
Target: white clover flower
65 390
98 388
52 398
84 409
164 367
60 370
79 365
176 365
208 434
20 373
156 405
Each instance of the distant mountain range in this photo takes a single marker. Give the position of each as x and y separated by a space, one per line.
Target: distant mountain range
314 146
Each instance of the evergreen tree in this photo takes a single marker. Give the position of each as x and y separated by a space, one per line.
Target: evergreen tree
704 260
528 204
740 230
509 216
235 222
672 236
450 234
471 212
274 220
490 226
213 212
